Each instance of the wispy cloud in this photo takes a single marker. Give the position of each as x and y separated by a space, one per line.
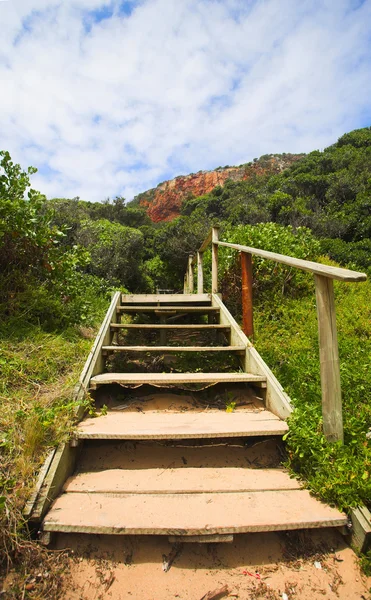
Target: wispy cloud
109 97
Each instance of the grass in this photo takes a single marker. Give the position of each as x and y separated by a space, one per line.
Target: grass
38 372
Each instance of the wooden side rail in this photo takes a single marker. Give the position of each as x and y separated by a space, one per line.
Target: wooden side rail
325 299
299 263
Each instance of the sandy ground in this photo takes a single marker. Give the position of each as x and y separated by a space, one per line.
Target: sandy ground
291 565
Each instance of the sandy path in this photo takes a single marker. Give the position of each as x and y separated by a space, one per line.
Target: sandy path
119 568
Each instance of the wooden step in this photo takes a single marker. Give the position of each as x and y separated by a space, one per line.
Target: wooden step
168 309
187 425
190 514
166 349
165 298
167 379
180 481
167 326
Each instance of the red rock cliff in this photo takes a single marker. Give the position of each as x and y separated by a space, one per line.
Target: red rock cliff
164 202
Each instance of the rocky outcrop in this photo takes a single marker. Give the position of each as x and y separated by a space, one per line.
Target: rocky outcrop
164 202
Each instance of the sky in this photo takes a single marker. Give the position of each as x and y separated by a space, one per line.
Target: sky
110 98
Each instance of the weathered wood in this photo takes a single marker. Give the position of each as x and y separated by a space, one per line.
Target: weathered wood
190 514
169 326
186 283
200 272
304 265
165 298
59 464
361 530
173 348
167 309
191 275
206 243
247 302
329 359
165 379
214 260
94 363
61 468
184 480
200 539
276 399
27 511
187 425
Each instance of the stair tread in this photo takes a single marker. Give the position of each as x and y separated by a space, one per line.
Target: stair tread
190 514
181 480
174 308
174 348
182 425
165 298
167 326
174 378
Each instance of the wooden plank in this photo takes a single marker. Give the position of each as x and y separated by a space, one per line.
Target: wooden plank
164 298
276 399
165 379
31 502
190 514
206 242
200 539
167 309
94 363
173 348
62 466
168 326
200 273
214 260
187 425
305 265
180 481
329 359
191 278
56 469
361 531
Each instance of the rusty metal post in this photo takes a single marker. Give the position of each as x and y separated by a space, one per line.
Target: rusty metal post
247 305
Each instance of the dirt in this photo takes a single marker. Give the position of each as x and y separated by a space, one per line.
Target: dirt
304 565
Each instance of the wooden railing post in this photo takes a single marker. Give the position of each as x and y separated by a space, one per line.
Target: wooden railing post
247 303
329 359
214 260
186 284
191 274
200 272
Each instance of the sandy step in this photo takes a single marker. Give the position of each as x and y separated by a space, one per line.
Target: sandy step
166 349
190 514
166 379
181 481
165 298
170 327
167 309
157 425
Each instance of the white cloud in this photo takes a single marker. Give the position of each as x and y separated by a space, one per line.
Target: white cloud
113 106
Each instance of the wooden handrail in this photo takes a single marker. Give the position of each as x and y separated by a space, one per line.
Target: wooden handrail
305 265
325 299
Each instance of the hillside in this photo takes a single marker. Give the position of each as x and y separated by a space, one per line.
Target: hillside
164 202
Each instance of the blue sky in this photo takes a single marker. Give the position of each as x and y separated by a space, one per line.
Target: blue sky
110 98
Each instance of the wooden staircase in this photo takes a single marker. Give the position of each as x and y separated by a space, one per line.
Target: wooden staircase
161 461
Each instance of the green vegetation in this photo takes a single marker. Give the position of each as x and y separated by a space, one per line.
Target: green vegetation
61 258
